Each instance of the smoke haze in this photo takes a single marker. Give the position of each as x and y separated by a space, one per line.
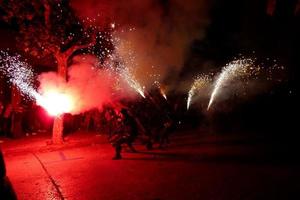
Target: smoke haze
89 86
153 35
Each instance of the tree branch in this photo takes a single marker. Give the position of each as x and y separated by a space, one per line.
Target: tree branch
74 48
47 14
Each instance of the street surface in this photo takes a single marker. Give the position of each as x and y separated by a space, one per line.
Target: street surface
192 167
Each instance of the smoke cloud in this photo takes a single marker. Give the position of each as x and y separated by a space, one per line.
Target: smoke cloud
88 85
153 35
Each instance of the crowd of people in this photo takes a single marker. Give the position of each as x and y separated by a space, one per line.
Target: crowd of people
148 120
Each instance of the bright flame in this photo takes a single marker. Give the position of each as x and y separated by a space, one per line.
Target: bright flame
56 103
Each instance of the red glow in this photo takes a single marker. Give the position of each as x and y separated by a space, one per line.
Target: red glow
271 6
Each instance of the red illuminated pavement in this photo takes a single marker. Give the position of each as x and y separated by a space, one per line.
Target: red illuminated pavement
192 167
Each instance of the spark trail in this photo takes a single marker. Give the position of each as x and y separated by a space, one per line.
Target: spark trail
199 83
162 89
19 73
122 64
234 69
131 80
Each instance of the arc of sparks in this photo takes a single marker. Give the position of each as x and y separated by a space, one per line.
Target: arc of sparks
231 70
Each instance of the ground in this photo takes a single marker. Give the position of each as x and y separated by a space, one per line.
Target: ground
194 166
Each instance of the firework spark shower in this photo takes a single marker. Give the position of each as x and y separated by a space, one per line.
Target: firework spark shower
234 69
18 73
198 85
156 38
21 75
88 87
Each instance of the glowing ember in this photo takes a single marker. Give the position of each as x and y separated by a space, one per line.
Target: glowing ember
55 103
199 83
162 92
161 88
232 70
112 25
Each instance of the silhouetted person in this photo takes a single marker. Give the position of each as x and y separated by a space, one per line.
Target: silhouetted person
1 116
126 134
6 189
167 130
7 120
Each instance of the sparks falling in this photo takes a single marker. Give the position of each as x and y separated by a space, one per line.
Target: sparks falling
234 69
132 82
18 73
199 83
123 64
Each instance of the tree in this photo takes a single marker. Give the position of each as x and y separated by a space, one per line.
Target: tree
49 29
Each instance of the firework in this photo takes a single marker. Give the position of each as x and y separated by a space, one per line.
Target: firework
234 69
131 80
18 73
55 103
161 88
163 93
199 83
119 63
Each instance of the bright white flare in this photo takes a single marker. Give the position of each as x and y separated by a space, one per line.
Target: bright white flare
55 103
232 70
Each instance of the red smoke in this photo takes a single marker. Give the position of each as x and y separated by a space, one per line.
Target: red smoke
88 86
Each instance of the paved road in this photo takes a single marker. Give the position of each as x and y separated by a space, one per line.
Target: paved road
191 168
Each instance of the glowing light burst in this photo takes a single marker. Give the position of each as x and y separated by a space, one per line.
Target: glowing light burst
199 83
21 75
113 25
55 103
234 69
